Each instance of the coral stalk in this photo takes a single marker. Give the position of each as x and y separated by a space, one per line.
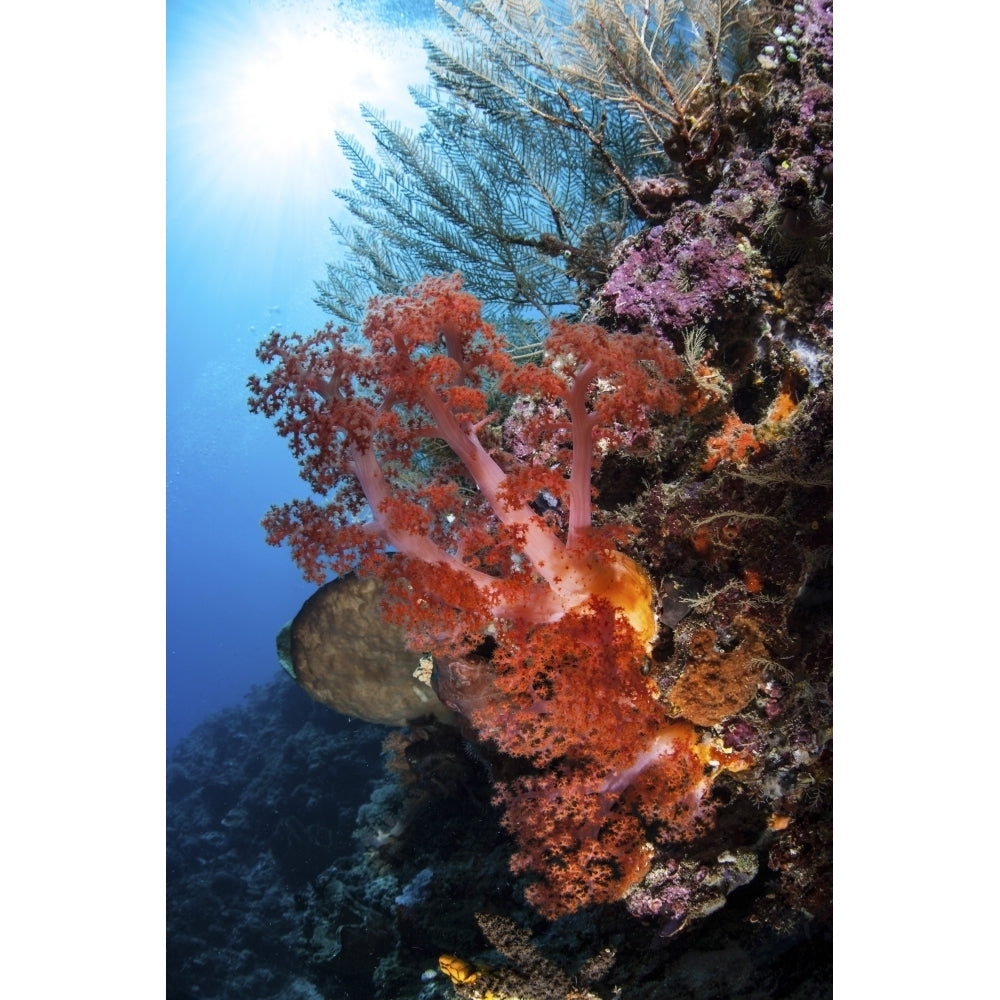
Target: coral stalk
362 423
454 537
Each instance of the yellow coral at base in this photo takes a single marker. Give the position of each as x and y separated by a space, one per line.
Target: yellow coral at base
625 585
457 969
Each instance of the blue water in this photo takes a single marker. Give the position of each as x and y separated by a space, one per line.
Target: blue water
255 91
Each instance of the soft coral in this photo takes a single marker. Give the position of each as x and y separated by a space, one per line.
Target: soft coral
456 541
461 528
606 767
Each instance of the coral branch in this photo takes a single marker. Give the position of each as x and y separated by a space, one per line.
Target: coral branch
571 615
360 424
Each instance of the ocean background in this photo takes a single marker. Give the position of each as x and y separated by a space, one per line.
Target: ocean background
255 92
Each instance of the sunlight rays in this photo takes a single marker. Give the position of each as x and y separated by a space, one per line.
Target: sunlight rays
254 97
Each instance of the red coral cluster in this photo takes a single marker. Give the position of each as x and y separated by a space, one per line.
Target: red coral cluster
608 770
735 443
454 536
467 546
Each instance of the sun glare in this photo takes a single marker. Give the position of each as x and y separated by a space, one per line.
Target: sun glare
256 95
284 95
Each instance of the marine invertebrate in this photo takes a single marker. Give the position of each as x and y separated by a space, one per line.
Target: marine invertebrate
530 976
735 442
460 550
674 893
524 173
454 538
721 675
459 971
608 769
685 273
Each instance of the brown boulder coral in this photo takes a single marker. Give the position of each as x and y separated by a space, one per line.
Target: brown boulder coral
346 657
720 678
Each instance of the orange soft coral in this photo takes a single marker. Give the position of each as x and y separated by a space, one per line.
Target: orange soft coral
457 520
453 534
734 443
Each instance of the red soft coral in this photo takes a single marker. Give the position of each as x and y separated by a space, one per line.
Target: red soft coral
363 425
453 534
569 697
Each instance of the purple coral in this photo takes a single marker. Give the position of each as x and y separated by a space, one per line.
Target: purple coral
661 897
817 29
738 734
672 286
700 265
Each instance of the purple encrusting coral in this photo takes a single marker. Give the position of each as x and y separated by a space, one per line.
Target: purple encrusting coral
698 265
817 32
660 895
676 892
718 260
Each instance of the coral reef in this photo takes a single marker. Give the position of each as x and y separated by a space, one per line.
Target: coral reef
254 913
620 557
567 613
261 799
